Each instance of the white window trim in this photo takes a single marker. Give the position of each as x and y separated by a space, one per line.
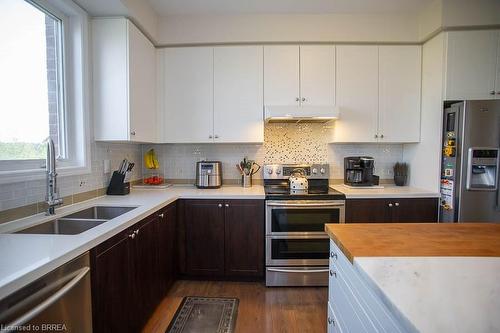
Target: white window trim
76 94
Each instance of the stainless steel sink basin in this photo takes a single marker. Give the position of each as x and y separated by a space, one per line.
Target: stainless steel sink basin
78 222
62 226
100 212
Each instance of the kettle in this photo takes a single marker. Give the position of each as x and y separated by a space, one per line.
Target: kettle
298 182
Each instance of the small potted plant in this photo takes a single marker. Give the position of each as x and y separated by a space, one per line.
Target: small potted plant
400 174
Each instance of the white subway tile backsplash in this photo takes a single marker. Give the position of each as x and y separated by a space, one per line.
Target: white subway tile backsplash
32 191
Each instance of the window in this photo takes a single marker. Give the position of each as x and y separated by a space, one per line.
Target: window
43 87
31 63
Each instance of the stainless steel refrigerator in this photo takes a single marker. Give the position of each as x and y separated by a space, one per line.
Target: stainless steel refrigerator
470 162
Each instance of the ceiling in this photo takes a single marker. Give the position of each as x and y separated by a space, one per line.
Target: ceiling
200 7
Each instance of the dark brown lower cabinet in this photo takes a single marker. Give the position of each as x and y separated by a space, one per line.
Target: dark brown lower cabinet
244 238
407 210
131 273
168 218
111 294
222 238
204 225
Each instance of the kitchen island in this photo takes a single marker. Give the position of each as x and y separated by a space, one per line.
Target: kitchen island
414 277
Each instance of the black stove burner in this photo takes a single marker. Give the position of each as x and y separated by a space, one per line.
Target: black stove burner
318 190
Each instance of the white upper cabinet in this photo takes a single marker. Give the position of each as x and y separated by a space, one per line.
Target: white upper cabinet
378 94
357 94
472 65
124 94
497 79
317 75
212 94
299 75
238 94
399 93
281 75
187 93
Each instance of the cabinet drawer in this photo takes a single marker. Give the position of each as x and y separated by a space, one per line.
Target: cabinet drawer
352 315
360 294
333 324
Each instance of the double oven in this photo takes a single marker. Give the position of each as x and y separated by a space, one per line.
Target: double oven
297 245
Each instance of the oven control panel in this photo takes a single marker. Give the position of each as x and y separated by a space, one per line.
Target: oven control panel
283 171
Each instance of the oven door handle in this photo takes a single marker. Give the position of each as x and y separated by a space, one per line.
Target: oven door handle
281 270
329 204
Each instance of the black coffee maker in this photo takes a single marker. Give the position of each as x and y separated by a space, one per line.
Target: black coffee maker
358 171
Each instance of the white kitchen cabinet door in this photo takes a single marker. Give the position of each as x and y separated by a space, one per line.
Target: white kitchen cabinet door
124 82
471 58
187 110
281 75
238 94
357 93
317 75
399 93
142 87
497 81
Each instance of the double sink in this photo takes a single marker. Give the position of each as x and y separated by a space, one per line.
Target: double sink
78 222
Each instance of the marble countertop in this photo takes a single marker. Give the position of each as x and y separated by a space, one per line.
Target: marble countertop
26 257
389 191
437 294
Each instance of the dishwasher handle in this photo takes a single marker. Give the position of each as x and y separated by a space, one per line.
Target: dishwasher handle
21 320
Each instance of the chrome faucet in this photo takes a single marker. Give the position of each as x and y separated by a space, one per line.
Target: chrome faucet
53 199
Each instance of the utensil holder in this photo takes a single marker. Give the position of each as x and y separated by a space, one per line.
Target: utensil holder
246 180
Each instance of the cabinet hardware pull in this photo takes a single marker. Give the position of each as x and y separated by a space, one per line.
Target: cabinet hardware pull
227 205
136 232
220 205
333 255
303 99
396 204
381 136
332 273
210 137
492 92
297 99
376 136
390 205
498 92
216 136
331 321
161 215
132 235
132 132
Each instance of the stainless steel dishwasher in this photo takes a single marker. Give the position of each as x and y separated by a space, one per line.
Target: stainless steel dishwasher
60 301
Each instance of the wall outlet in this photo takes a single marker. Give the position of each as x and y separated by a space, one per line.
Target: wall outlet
107 166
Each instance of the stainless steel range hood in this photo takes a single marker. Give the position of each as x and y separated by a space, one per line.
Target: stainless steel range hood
300 114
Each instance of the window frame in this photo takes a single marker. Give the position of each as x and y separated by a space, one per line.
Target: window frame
73 80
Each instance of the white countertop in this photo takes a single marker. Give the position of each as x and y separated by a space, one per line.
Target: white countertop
437 294
389 191
26 257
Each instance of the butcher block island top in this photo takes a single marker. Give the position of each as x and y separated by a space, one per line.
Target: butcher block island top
416 239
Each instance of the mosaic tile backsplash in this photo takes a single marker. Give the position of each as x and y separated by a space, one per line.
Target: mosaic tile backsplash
283 143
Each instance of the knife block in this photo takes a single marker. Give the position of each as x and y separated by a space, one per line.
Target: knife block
119 183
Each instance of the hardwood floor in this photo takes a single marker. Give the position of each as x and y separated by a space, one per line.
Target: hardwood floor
260 309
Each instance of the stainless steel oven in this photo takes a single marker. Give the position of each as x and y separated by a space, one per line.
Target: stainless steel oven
302 217
297 246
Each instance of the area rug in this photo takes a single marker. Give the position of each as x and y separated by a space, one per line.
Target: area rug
205 314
